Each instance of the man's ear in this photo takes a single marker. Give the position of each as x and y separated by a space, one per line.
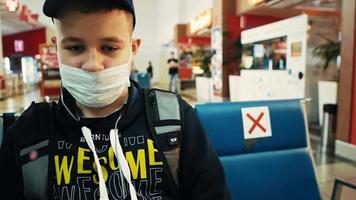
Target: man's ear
54 42
136 43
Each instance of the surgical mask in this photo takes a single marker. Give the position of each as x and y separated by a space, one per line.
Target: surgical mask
96 89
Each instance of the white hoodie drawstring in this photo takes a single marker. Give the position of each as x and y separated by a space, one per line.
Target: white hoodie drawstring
114 136
102 186
124 167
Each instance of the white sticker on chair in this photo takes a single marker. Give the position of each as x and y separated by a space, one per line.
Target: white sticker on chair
256 122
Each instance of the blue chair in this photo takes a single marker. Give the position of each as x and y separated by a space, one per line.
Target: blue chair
277 167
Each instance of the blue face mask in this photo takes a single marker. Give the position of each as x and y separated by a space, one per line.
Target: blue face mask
96 89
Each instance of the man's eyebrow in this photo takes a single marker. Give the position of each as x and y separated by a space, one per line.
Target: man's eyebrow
71 39
105 39
113 39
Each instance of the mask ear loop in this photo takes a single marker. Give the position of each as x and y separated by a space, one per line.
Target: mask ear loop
130 57
75 117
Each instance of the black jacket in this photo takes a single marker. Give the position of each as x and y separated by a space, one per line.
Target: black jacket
72 170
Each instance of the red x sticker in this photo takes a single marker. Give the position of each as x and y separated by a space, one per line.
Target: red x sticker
256 122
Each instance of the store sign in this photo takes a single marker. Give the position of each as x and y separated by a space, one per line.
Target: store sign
19 46
279 52
203 21
24 13
257 2
12 5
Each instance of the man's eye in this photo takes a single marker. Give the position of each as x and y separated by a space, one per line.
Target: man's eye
75 49
109 49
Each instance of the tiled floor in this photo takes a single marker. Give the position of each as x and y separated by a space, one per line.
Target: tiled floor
328 166
20 102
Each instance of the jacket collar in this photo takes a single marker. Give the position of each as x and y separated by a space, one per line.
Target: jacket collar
67 111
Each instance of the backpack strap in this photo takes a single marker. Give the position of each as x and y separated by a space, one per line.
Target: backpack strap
163 115
35 158
6 120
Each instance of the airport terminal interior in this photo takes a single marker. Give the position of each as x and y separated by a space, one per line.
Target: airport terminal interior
265 73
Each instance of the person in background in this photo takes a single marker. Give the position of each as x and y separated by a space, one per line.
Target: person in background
173 73
150 69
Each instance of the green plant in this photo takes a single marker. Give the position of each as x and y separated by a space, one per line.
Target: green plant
202 58
328 51
185 54
232 52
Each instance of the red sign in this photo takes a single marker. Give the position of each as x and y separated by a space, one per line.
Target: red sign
256 123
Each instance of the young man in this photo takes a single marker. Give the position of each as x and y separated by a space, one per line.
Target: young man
96 143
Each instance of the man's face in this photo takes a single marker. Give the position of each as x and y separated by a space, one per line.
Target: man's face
95 41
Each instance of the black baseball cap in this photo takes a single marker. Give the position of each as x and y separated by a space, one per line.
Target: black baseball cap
51 8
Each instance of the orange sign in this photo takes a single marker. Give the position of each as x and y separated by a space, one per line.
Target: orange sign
203 21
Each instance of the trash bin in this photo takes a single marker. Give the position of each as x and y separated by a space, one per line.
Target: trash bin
328 127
